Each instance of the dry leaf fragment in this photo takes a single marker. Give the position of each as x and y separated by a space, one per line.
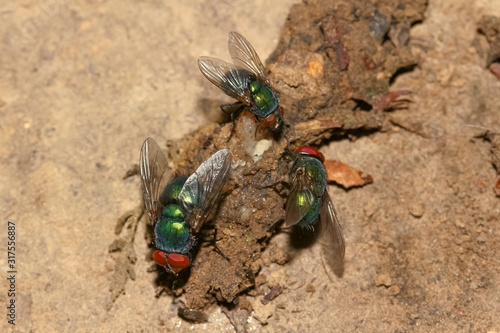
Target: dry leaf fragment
318 125
346 175
275 291
495 69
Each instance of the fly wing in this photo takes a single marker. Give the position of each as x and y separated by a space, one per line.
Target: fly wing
154 176
331 239
202 189
300 202
245 57
230 80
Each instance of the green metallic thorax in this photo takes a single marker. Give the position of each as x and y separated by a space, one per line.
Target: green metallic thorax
172 190
264 99
313 169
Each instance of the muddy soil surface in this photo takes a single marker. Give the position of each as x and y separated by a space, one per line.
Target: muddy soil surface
407 92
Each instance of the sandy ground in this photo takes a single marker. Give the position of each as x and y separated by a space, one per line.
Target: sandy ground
82 84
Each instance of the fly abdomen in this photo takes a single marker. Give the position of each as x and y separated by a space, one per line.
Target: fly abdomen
173 211
312 207
172 232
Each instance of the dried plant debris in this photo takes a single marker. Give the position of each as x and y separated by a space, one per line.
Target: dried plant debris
192 315
346 175
333 68
494 139
342 55
489 26
238 317
275 291
495 69
122 250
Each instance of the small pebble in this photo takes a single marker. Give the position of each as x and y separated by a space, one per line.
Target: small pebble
281 305
310 288
442 218
383 280
262 312
459 224
260 280
416 210
482 238
394 290
370 208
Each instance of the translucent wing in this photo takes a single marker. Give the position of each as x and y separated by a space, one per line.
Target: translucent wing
154 176
300 202
245 57
331 238
232 81
202 188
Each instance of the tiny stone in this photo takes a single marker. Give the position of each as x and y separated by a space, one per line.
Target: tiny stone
442 218
416 210
394 290
310 288
482 238
262 312
370 209
465 238
459 224
281 306
260 280
383 280
227 232
278 277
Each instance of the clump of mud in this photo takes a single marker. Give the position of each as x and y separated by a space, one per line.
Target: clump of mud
334 67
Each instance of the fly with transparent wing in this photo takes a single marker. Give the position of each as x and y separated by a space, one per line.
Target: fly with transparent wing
309 203
178 208
246 81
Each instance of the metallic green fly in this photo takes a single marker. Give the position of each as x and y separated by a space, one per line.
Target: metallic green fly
309 202
245 80
178 208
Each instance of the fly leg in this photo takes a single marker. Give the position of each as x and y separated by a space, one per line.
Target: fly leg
257 128
214 243
216 248
289 154
233 120
233 110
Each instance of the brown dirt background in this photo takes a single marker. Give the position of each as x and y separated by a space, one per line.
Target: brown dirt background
83 83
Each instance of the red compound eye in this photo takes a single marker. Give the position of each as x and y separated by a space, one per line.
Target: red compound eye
282 110
269 121
160 258
177 262
311 151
